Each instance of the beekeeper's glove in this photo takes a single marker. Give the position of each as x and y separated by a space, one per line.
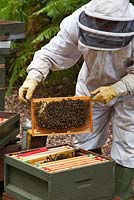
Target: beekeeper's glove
104 94
27 89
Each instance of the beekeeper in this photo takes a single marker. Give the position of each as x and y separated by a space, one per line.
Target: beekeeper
102 32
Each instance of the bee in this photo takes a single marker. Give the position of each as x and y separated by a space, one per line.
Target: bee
62 115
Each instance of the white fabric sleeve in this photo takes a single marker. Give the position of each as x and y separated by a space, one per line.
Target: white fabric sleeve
126 85
38 70
60 53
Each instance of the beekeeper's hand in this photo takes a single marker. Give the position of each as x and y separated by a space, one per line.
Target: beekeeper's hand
104 94
27 89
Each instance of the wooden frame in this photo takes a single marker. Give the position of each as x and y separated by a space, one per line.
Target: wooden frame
87 128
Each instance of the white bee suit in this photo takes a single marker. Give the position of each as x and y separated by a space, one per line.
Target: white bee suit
103 66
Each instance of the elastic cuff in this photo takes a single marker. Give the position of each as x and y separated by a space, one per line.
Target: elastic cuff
35 75
120 88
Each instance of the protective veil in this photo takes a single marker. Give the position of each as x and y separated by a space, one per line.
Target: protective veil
104 25
100 68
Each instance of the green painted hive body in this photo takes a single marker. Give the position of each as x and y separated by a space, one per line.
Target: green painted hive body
10 128
25 182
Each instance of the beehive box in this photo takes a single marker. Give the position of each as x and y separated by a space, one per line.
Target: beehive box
2 75
2 86
5 150
9 127
11 30
61 115
2 98
79 181
7 197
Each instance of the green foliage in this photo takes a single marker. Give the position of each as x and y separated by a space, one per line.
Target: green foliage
132 1
42 23
60 8
17 69
46 34
13 9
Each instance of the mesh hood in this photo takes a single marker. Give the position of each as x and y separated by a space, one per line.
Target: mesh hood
106 24
109 9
